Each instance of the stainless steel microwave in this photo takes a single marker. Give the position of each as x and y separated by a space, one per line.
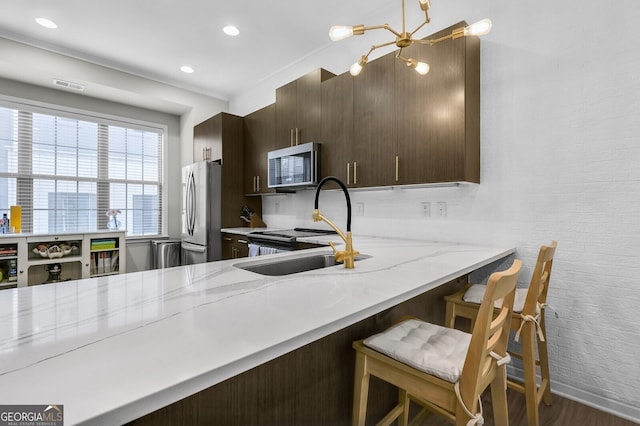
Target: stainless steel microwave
294 167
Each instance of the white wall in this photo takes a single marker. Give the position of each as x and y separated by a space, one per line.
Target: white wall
560 120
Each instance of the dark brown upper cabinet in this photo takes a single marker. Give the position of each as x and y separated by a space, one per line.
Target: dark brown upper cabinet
260 138
438 114
389 125
370 155
298 109
337 125
223 135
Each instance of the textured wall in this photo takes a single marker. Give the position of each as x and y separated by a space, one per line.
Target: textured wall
560 160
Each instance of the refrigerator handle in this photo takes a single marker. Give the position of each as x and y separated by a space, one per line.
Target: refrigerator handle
192 206
193 247
187 203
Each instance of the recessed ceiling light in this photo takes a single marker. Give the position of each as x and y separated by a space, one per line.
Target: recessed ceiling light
47 23
231 30
187 69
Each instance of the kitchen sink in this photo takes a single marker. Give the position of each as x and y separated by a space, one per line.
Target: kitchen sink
292 265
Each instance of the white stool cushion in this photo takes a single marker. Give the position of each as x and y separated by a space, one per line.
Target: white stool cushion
436 350
475 294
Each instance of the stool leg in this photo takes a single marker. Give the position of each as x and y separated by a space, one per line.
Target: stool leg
544 363
361 390
499 397
450 316
403 399
529 365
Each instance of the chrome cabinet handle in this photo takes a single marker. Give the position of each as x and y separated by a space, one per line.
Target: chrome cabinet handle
348 173
258 183
397 161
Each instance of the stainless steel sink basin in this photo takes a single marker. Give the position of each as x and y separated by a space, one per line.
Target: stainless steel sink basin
291 265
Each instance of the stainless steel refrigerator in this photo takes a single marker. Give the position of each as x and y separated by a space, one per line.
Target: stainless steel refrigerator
201 212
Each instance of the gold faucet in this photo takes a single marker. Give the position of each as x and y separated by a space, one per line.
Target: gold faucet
348 254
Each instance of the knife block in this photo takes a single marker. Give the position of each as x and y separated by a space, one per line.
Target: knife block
256 221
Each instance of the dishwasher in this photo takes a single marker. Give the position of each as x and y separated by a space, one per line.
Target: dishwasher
165 253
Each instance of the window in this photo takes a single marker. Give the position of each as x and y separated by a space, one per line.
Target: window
67 170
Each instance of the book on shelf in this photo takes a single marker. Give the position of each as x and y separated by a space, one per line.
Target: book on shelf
104 262
8 251
104 244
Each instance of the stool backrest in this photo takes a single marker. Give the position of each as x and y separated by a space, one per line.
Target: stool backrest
539 285
490 335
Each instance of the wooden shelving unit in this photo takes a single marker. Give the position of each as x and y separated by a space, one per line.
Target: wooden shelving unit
27 260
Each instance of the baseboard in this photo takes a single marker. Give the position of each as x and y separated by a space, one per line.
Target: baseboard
590 399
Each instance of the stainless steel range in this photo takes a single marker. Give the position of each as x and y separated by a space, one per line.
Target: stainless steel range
284 240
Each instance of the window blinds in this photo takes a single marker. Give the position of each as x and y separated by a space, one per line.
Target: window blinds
67 171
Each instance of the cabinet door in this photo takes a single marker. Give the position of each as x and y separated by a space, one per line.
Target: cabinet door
286 114
227 246
298 109
371 154
207 143
259 140
437 114
242 245
309 105
234 246
337 125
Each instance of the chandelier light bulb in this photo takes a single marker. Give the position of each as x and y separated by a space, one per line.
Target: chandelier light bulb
479 28
340 32
357 67
421 67
425 4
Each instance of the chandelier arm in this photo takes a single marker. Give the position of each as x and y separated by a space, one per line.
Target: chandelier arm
380 27
400 57
435 40
377 46
419 27
376 27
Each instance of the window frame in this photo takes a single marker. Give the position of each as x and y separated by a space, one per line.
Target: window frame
101 119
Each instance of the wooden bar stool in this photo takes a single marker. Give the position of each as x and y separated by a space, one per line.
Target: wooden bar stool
443 369
528 322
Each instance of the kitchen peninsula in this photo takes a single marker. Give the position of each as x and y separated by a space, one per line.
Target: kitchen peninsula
113 349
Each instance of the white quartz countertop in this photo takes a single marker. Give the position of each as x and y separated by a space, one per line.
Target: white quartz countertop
112 349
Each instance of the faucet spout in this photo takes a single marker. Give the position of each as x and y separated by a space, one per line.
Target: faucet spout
348 254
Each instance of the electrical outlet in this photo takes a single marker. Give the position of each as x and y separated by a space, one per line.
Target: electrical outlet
426 209
442 208
277 208
359 209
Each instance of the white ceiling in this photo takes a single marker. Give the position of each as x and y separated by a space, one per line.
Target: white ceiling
152 39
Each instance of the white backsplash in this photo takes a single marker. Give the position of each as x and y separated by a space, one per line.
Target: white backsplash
396 212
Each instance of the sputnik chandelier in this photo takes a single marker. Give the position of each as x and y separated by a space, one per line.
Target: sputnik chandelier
405 39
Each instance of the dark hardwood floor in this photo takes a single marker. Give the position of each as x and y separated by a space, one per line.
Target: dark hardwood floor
562 412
